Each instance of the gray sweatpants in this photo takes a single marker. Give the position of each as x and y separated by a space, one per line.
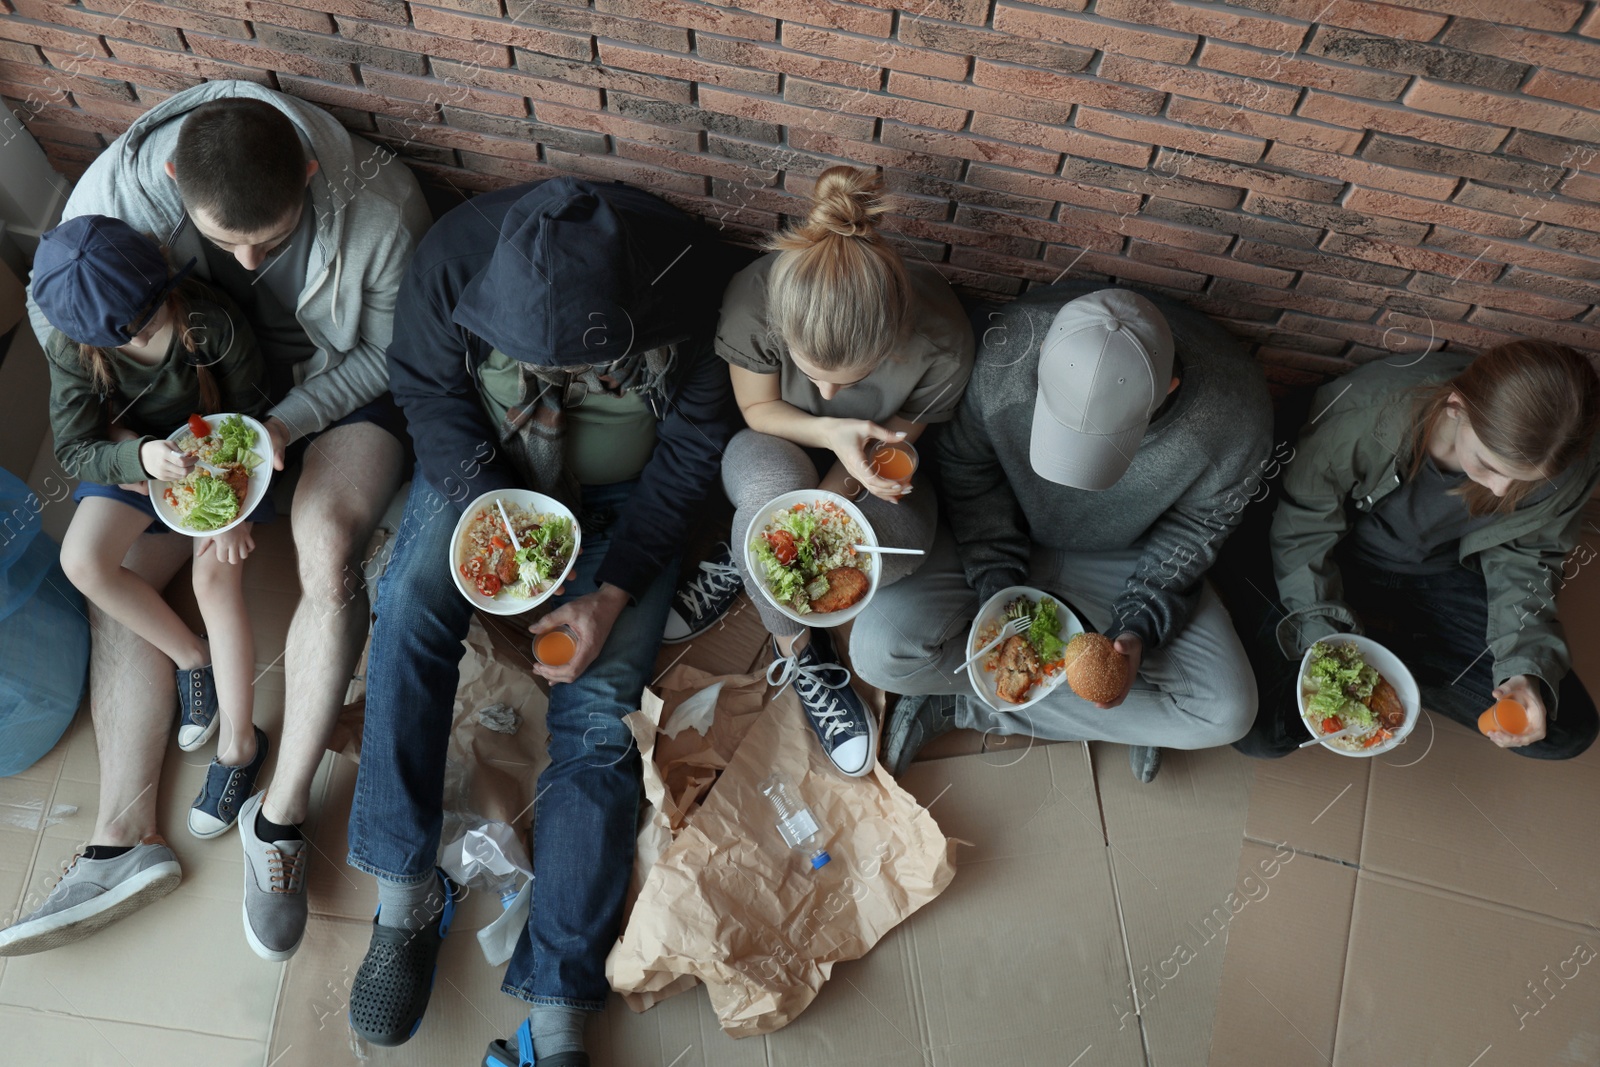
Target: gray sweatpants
758 467
1196 691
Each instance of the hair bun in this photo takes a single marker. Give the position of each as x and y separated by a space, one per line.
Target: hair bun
845 203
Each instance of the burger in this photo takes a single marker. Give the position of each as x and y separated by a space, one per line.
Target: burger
1096 671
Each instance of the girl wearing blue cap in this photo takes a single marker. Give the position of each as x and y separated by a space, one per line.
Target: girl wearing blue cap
137 349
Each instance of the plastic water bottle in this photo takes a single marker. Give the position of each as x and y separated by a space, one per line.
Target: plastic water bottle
795 821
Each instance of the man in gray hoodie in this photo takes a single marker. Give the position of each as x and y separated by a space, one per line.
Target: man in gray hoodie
309 229
1104 450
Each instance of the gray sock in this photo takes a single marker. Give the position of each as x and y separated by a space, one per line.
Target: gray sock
409 905
556 1029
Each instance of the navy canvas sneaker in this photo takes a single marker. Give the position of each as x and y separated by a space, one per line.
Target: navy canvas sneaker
224 792
703 598
197 707
848 732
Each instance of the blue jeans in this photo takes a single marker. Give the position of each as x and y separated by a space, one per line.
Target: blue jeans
586 811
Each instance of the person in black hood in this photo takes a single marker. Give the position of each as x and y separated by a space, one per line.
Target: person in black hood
555 337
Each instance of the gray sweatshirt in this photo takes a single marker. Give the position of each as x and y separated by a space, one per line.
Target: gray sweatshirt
1184 492
369 216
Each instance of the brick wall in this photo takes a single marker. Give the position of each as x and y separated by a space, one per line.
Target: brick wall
1338 179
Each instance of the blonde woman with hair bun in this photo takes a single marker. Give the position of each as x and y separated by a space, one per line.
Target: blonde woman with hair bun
834 342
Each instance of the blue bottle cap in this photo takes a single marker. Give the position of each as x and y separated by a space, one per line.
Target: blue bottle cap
819 859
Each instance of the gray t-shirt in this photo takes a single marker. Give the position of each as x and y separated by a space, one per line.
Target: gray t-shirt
921 381
269 296
1417 529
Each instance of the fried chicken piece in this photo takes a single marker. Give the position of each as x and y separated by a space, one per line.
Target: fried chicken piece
1385 704
1014 675
506 569
846 585
238 480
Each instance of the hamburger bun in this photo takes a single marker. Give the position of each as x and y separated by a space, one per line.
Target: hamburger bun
1095 669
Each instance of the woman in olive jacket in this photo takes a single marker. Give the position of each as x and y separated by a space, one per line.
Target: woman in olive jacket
1439 505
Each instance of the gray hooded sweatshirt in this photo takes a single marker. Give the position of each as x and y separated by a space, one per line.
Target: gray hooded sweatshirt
370 213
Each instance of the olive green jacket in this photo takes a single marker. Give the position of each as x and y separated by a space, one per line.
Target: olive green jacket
152 401
1351 455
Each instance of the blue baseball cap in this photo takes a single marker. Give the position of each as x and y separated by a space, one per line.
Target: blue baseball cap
99 281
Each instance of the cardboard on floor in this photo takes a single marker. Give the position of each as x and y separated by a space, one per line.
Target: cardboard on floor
1441 907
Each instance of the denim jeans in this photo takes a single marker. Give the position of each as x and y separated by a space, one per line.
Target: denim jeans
585 814
1436 624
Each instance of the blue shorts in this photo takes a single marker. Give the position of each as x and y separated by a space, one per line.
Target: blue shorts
264 512
383 413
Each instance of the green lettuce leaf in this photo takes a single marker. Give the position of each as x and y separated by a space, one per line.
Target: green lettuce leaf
238 442
1043 633
546 552
214 504
1338 682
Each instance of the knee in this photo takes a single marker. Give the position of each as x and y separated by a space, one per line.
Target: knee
1225 704
596 739
84 568
213 577
884 657
327 546
421 612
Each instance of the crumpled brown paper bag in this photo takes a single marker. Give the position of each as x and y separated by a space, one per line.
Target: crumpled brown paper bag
725 901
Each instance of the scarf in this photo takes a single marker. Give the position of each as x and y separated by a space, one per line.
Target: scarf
534 430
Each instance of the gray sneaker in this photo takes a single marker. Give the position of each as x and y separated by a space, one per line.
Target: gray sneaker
1144 761
274 889
92 894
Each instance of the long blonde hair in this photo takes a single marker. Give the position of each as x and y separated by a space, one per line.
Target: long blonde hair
838 293
101 363
1533 403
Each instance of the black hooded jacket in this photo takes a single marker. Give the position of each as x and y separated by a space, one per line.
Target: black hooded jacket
566 272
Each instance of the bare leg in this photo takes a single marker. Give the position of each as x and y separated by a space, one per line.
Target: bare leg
133 701
218 587
350 475
93 554
787 642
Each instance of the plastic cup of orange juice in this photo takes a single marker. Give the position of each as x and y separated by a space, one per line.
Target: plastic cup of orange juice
895 460
1506 715
555 648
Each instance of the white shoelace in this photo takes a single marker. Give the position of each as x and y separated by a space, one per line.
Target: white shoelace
715 581
810 682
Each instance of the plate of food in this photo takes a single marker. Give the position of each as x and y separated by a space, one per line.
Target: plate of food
801 550
506 576
230 477
1027 667
1350 681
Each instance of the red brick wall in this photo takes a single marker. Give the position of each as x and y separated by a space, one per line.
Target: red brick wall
1338 179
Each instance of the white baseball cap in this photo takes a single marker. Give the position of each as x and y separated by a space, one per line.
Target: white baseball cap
1104 369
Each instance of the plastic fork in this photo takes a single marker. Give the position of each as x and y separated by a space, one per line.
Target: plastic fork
515 545
1346 732
1009 630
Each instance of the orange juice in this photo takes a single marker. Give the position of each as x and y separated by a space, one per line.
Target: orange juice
555 648
1506 715
894 462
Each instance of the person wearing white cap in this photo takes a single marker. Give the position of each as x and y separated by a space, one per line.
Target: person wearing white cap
1102 453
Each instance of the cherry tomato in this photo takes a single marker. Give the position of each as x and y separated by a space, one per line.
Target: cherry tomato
473 567
488 584
1332 725
783 546
198 426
